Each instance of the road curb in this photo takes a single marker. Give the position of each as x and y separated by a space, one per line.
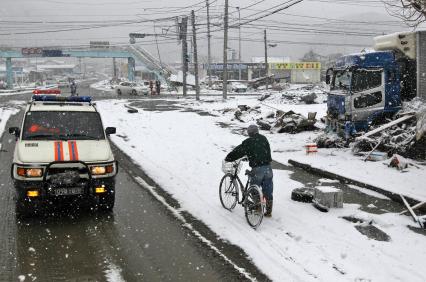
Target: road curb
324 173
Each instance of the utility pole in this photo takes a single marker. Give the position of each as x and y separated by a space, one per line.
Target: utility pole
184 29
114 65
209 59
194 40
266 60
225 53
80 66
239 43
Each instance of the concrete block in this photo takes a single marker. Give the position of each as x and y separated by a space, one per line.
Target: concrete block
328 196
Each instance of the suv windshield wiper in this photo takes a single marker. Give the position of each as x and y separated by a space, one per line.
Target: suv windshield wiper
79 136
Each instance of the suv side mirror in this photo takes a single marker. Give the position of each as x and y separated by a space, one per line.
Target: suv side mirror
15 131
110 130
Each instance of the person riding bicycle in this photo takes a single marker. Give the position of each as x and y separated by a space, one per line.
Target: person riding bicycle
258 152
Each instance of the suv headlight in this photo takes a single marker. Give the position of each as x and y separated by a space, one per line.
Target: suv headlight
102 169
29 172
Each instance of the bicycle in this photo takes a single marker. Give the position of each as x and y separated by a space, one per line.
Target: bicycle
252 198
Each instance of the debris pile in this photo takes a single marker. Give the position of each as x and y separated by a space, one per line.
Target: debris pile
298 94
290 122
326 140
275 121
405 136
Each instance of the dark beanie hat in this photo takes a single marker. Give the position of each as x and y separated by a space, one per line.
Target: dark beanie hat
252 130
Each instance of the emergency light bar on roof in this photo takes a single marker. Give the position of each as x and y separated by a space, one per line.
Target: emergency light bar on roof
54 98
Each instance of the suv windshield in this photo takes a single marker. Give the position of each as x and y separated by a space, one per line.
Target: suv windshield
57 125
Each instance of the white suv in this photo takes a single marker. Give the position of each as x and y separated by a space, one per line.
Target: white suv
132 88
62 152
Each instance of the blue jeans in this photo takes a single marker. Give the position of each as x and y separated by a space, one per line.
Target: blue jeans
263 177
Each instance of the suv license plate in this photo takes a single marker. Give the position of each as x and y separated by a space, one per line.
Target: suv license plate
68 191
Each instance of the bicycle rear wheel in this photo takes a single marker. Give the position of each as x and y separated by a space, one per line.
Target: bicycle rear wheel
254 207
228 192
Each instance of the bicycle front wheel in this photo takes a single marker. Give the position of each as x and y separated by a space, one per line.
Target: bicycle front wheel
228 192
254 207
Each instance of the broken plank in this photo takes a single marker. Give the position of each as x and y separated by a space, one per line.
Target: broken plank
415 217
419 205
387 125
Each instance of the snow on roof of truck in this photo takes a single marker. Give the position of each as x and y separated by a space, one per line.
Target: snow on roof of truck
369 59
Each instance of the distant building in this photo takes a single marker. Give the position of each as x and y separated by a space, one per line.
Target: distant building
293 72
296 72
258 60
143 73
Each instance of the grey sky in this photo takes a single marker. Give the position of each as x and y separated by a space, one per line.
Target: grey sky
308 23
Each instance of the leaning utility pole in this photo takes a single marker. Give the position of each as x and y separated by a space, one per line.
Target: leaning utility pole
194 40
225 53
209 58
184 29
266 60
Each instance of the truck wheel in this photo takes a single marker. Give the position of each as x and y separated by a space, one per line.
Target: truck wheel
304 195
106 202
118 92
134 93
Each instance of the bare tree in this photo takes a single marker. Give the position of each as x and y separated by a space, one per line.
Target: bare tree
412 12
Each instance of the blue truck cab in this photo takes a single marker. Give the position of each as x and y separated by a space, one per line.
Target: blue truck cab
367 87
364 87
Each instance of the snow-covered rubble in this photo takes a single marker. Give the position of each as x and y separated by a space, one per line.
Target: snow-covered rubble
277 121
298 94
406 138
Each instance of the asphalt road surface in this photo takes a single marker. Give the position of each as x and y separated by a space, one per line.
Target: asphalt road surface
141 240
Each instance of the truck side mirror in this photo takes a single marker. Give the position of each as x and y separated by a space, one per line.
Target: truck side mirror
328 76
327 79
110 130
15 131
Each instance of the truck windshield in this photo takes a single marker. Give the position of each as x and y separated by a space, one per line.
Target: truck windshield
364 79
341 80
56 125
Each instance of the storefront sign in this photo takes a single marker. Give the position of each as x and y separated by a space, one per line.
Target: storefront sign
32 52
99 44
53 53
219 67
296 66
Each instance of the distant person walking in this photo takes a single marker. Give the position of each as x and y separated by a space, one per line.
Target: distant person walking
158 86
151 86
73 88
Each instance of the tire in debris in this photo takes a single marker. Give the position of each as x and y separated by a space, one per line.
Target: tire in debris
304 195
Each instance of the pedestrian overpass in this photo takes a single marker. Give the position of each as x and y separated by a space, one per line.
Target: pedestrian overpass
133 54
